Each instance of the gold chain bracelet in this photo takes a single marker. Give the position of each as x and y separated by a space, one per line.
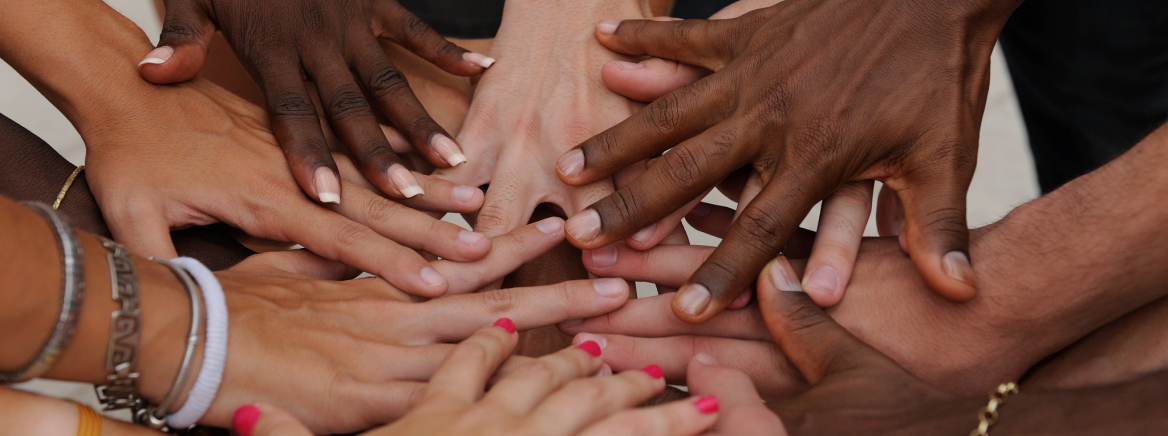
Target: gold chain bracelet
68 183
989 414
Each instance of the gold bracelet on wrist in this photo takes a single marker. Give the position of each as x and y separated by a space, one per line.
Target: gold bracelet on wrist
989 414
68 183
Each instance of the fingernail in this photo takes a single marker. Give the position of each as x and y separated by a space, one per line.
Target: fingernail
447 149
470 238
604 370
585 225
629 65
654 371
956 265
590 347
665 19
707 404
404 181
590 337
701 210
550 226
693 299
478 59
571 163
604 256
824 279
706 359
431 277
158 56
464 193
571 323
782 277
609 287
645 234
608 27
328 188
245 419
505 324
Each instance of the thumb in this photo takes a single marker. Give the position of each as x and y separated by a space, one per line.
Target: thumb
144 232
266 420
650 79
938 236
182 46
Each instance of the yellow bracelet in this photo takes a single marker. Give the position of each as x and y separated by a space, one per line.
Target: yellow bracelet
68 183
988 415
88 421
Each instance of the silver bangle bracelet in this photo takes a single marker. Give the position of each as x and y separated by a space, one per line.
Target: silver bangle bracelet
155 416
72 293
120 389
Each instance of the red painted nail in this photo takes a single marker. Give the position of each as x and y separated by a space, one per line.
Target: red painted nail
707 404
654 371
245 419
505 324
591 347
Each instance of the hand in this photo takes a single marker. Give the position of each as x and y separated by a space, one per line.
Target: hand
826 137
336 45
552 395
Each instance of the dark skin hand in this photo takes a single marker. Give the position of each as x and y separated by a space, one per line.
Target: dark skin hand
334 43
810 94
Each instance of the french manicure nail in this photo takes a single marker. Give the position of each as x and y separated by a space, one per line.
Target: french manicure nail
823 278
447 149
505 324
550 226
644 235
328 188
404 181
629 65
654 371
609 287
431 276
464 193
956 265
470 238
608 27
158 56
782 276
706 359
693 299
707 404
590 337
584 226
478 59
604 256
571 163
590 347
245 419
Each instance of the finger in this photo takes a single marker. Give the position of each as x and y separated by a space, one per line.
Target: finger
760 232
649 79
301 262
675 179
407 30
297 128
741 410
889 212
445 196
588 400
937 234
529 384
527 307
412 228
652 235
182 46
676 418
810 339
711 219
142 228
668 265
652 317
705 43
461 379
508 253
507 206
267 420
841 228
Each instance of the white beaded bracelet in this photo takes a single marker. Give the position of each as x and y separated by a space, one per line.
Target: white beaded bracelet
214 352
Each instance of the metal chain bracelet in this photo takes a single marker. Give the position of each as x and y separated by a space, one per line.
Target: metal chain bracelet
119 392
989 414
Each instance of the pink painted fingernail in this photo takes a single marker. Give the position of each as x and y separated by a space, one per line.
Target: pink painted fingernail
245 419
644 235
403 179
706 359
432 277
590 337
707 404
464 194
478 59
584 226
608 27
824 279
505 324
158 56
550 226
605 256
629 65
590 347
956 265
571 163
470 238
692 299
783 278
447 149
609 287
328 188
654 371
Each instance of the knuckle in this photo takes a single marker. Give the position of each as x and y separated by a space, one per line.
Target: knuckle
499 302
805 318
762 228
348 102
413 27
588 390
386 82
471 351
685 165
627 204
774 102
377 152
665 114
538 370
350 234
816 143
292 104
380 210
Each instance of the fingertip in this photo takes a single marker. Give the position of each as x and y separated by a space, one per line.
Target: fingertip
957 281
245 419
822 284
166 64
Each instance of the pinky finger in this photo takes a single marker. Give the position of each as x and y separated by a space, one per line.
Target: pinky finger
841 227
678 418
